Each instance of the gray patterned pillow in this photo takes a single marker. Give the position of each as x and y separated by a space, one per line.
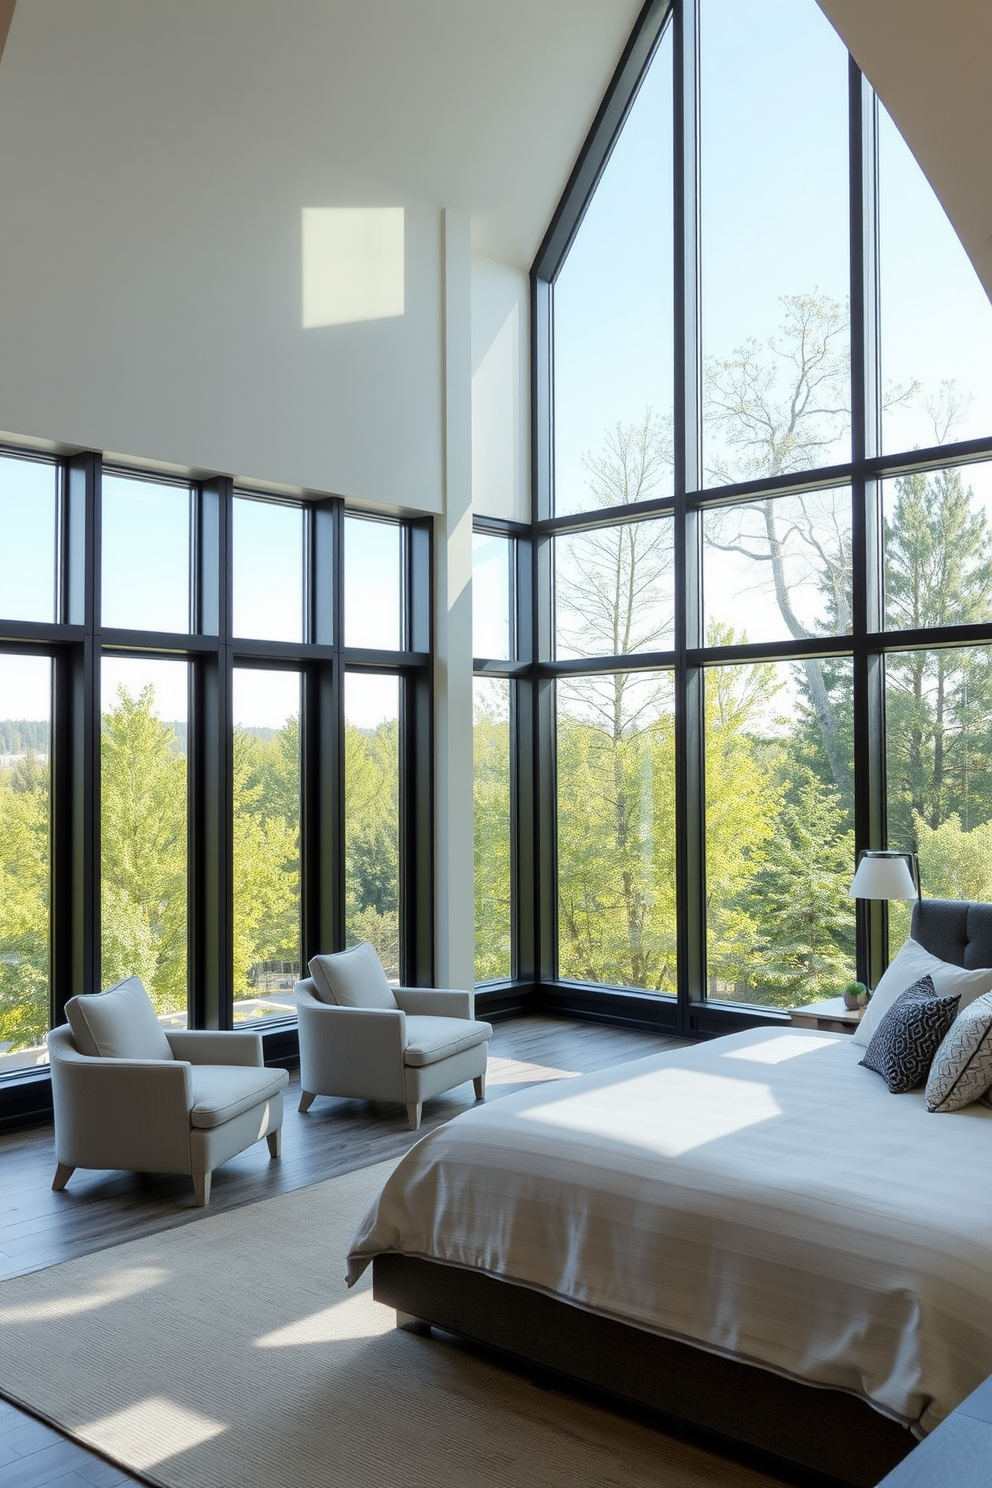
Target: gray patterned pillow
962 1066
904 1043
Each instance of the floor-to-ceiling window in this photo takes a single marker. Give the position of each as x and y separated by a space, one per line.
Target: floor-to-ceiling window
214 744
762 394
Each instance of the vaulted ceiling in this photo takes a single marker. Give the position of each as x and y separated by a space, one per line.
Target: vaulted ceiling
482 105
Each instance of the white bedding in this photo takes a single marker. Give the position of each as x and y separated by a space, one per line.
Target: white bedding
761 1195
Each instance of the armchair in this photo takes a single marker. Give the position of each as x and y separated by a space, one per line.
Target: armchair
128 1094
361 1037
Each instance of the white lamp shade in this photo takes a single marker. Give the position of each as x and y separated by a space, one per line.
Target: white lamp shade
883 878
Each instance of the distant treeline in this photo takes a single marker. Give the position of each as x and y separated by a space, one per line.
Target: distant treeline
20 734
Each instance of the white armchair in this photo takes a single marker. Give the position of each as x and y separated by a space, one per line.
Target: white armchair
128 1094
361 1037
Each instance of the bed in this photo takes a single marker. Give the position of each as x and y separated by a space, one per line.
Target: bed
750 1234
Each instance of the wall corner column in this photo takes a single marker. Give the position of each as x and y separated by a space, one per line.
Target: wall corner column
454 835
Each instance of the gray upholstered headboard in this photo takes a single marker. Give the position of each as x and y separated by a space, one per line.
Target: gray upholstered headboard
956 930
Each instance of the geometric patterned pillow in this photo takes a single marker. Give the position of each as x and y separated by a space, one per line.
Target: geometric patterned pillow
962 1066
904 1043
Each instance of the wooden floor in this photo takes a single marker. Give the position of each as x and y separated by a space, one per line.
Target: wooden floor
41 1228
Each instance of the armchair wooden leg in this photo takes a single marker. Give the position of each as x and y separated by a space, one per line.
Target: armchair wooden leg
62 1175
201 1189
307 1099
480 1086
274 1140
413 1110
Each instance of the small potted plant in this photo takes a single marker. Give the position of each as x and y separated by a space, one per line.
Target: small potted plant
855 996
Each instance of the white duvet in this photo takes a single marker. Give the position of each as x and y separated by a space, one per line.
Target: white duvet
761 1195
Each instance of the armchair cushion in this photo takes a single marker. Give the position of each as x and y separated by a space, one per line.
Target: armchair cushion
117 1024
430 1039
223 1091
352 978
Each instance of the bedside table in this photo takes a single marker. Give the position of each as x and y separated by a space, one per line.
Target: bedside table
830 1016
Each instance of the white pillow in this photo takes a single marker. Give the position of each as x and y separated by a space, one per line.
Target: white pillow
117 1024
352 978
962 1066
912 962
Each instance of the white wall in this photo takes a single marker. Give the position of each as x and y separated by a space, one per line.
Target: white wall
150 262
500 391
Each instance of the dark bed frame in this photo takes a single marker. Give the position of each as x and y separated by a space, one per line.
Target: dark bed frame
808 1429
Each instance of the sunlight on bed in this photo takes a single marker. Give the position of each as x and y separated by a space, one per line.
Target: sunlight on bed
150 1432
779 1047
355 1317
669 1111
118 1288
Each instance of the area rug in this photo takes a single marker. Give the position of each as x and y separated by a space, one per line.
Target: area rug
229 1354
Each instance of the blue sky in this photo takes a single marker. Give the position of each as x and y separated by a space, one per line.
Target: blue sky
774 221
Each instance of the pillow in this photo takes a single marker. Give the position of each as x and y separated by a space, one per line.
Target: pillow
908 1037
117 1024
909 964
962 1066
352 978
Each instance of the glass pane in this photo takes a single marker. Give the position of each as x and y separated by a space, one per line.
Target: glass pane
491 595
268 570
613 307
143 823
774 239
780 567
25 724
616 830
938 548
372 816
267 933
938 739
146 555
614 590
779 832
373 584
28 518
936 320
491 795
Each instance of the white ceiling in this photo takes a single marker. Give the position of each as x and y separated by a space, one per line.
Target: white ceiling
483 106
468 104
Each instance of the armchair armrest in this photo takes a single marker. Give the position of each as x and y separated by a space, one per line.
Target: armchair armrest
436 1002
213 1046
351 1051
122 1113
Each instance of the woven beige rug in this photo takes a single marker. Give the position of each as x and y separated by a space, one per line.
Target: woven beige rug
229 1354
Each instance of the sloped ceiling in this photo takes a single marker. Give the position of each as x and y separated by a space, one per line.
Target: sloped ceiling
478 105
483 105
931 65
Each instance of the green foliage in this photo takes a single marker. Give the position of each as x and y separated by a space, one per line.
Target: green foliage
24 907
143 851
806 946
372 853
491 799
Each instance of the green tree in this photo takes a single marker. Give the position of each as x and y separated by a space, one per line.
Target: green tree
806 947
24 905
743 802
266 852
938 572
143 850
491 800
372 839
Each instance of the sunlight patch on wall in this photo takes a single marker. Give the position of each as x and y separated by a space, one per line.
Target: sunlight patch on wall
353 264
